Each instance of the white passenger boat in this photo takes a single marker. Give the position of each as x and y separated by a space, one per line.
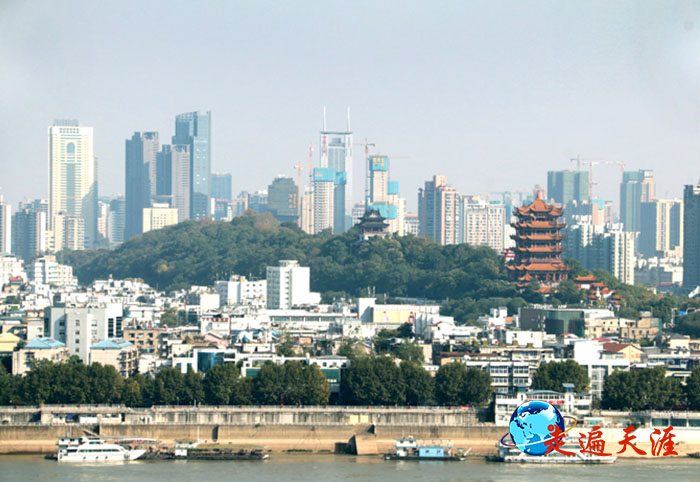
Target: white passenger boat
514 455
94 449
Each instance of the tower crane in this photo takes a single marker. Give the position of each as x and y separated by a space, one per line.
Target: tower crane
367 145
594 162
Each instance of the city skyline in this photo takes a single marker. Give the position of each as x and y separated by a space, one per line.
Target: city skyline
603 81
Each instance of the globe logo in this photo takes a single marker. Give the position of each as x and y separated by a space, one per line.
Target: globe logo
532 424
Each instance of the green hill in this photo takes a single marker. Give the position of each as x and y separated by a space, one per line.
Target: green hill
200 252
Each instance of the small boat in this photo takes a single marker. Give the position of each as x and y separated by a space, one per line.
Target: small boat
514 455
94 449
694 455
408 448
192 450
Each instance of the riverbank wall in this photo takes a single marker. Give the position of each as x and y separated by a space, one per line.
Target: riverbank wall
364 431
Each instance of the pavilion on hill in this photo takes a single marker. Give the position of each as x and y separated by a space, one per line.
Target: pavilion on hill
372 224
538 244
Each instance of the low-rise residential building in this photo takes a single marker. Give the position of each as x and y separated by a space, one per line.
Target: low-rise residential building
38 349
148 340
239 290
118 353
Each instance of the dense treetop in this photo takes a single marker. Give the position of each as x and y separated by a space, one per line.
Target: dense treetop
200 252
469 280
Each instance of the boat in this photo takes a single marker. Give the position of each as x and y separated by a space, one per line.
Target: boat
514 455
408 448
94 449
192 450
694 455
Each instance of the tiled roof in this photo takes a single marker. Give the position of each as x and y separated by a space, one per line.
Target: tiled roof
43 344
112 344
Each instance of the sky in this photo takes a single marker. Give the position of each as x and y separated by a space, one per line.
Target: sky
493 94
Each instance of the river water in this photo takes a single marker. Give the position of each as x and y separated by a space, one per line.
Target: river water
291 468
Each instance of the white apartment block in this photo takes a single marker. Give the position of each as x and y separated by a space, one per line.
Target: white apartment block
10 267
483 224
82 327
46 270
288 286
238 290
158 216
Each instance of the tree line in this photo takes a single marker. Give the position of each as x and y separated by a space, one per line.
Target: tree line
76 383
380 381
375 380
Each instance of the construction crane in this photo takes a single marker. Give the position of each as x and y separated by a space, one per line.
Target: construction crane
595 162
299 167
367 145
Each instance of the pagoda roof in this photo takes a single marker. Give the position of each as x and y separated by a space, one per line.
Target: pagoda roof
539 236
538 206
539 267
539 224
539 249
585 279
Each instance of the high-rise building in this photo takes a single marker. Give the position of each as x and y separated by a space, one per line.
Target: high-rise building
378 178
194 130
158 216
68 232
221 186
637 187
482 224
412 224
258 201
566 186
28 232
178 156
602 247
660 227
164 172
5 227
438 211
288 286
600 211
103 222
691 236
240 204
323 198
307 210
141 152
282 199
384 195
336 154
117 213
73 176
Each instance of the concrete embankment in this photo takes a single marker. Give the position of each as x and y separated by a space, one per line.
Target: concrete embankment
275 438
279 429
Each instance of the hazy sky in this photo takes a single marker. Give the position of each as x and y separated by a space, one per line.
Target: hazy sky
492 94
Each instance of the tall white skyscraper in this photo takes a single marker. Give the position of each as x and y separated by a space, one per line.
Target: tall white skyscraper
323 199
5 227
336 154
73 176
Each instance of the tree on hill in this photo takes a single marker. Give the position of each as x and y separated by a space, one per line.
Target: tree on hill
552 376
